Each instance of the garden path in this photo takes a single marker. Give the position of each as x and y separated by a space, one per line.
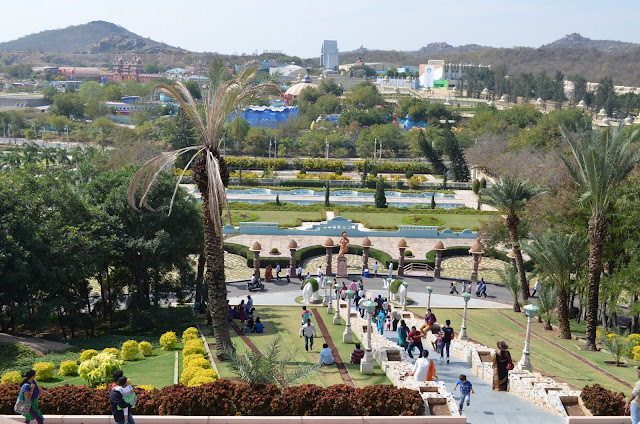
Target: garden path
41 346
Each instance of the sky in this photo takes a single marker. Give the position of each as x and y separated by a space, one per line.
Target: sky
298 28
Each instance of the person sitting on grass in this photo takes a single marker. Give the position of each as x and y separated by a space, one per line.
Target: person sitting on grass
326 356
258 327
248 328
357 355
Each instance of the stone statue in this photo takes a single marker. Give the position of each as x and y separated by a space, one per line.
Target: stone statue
344 244
402 294
307 293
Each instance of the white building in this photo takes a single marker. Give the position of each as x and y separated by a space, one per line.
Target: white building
329 55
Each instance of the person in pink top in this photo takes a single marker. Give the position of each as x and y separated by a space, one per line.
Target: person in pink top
354 286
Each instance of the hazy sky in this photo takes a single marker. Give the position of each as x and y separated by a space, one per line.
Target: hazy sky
298 27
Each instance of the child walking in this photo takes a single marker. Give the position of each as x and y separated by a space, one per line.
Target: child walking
466 388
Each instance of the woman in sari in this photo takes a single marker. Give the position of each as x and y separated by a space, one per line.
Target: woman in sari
502 365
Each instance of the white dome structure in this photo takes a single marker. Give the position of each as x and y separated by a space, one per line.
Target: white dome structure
294 91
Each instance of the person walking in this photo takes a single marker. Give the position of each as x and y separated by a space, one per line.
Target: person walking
305 315
633 404
447 336
361 305
375 269
29 392
453 288
356 302
415 340
466 388
502 365
278 269
403 334
536 287
119 405
390 269
299 272
288 274
380 319
308 331
424 368
396 316
319 272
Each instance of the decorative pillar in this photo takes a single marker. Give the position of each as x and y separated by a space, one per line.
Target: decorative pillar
256 248
347 336
402 246
463 329
366 244
366 365
330 303
336 317
325 285
476 250
328 245
439 248
293 246
404 299
429 291
525 363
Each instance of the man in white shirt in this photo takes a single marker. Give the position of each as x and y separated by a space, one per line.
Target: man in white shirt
319 273
326 356
361 305
375 269
390 269
308 331
633 403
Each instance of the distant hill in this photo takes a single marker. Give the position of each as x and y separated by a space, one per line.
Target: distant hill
578 41
93 37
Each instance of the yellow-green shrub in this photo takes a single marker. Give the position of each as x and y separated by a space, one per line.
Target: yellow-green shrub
112 350
635 353
193 346
199 363
69 368
186 360
146 387
44 370
190 373
129 350
202 379
11 377
145 349
634 339
168 340
87 354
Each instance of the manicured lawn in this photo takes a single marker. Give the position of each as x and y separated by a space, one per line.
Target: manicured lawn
284 322
284 218
452 221
487 326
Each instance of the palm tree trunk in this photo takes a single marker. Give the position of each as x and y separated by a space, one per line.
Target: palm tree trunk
214 277
512 225
597 233
199 277
563 314
516 306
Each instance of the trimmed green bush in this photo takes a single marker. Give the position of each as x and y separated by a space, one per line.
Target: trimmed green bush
112 350
168 340
200 362
99 368
11 377
190 372
193 346
129 350
145 349
87 354
44 370
69 368
190 334
314 284
395 285
186 359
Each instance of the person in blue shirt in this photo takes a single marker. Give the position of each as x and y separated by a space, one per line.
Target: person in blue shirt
380 319
466 388
326 356
258 327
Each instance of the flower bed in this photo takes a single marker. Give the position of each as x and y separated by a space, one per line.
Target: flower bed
228 398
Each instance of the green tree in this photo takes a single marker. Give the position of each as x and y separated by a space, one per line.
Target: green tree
510 196
379 198
459 166
606 95
114 92
601 161
58 123
547 301
364 96
91 90
557 257
509 277
30 134
424 146
210 174
433 200
70 105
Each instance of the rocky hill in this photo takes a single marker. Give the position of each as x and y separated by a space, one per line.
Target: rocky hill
92 37
575 40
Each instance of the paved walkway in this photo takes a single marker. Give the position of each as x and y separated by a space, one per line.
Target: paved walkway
487 406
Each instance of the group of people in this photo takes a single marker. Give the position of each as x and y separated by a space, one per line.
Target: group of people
245 313
481 287
308 331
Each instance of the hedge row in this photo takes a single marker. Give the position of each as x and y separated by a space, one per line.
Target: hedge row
402 167
464 251
229 398
255 163
319 164
302 254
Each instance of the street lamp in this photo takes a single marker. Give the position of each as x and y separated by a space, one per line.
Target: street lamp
347 336
525 363
429 291
404 299
366 365
389 281
336 317
463 330
326 282
330 307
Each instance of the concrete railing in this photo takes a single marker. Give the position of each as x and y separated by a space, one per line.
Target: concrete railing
150 419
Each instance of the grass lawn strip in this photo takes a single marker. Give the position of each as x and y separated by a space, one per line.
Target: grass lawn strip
392 220
344 373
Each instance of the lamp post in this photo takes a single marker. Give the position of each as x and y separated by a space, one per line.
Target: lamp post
347 336
336 317
402 246
429 291
463 329
366 365
330 303
404 299
326 284
525 363
439 248
389 281
256 259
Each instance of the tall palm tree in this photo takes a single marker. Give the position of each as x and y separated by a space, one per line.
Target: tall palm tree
48 154
547 302
601 160
557 256
510 196
209 172
509 277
